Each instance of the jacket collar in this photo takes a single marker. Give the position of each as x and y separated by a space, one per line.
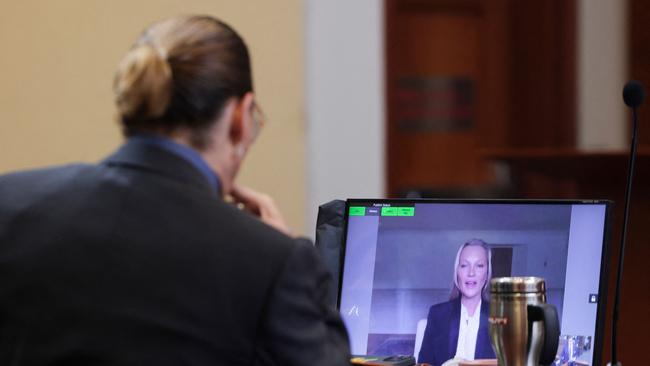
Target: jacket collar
454 324
154 159
483 343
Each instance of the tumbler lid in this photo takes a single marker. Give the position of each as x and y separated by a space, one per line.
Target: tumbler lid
517 285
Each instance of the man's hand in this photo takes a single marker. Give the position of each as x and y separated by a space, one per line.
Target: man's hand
262 206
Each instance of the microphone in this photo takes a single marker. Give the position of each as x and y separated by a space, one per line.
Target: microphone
633 96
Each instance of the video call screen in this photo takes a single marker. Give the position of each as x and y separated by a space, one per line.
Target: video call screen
401 260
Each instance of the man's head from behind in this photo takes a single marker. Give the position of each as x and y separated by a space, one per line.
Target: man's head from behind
189 78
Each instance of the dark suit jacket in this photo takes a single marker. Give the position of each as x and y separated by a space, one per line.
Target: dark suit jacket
136 261
441 334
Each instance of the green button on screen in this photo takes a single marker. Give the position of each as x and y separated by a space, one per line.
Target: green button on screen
357 211
405 211
389 211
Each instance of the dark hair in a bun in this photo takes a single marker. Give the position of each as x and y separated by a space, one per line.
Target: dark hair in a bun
180 73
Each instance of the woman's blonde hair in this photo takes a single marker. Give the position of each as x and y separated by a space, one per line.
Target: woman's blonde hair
179 73
485 291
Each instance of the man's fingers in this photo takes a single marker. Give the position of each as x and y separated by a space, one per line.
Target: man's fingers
261 205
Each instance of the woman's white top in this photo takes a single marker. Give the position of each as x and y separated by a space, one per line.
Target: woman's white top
468 332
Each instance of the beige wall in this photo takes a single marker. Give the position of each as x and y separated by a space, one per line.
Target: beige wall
602 71
57 64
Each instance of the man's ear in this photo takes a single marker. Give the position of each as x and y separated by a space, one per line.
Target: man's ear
241 127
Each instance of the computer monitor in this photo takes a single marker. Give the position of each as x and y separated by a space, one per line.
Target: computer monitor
400 259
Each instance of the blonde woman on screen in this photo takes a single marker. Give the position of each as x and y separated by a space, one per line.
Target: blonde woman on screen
458 328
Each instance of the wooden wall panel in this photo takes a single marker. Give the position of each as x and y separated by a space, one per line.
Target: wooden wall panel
433 42
542 75
518 56
639 56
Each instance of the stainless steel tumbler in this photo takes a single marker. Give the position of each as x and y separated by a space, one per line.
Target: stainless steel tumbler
524 329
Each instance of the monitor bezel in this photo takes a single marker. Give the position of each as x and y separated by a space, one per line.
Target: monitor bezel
599 333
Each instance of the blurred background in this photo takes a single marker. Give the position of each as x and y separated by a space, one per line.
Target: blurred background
373 98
